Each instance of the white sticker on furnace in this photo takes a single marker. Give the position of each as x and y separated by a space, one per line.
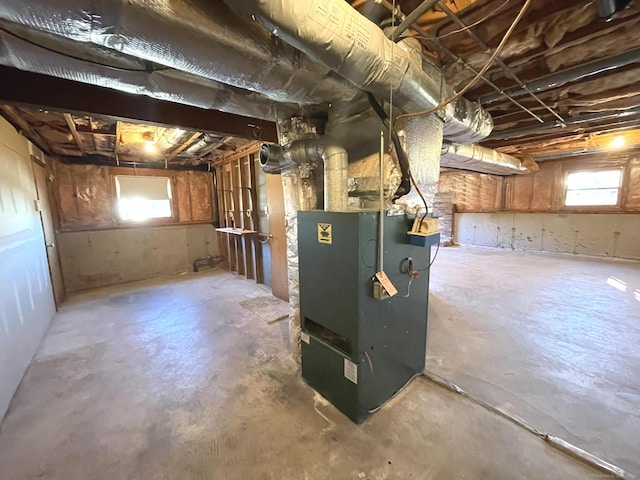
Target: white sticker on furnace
351 371
304 337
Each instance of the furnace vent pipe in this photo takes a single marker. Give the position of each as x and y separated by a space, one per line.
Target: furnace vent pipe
337 36
275 159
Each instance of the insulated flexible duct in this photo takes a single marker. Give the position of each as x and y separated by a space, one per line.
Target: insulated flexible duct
129 75
480 159
195 36
336 35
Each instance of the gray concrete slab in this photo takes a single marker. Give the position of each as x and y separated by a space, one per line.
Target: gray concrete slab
175 380
552 339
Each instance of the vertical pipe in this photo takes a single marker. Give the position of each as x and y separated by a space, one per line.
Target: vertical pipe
381 234
336 178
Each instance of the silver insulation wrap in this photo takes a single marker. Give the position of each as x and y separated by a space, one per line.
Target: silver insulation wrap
194 36
422 145
130 76
336 35
480 159
291 189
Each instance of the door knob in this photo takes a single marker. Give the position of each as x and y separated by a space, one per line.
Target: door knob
50 245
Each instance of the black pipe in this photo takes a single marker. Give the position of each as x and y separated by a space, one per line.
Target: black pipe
569 75
412 17
104 161
593 117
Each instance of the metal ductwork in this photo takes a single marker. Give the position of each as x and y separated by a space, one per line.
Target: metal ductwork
608 8
132 76
311 151
480 159
336 35
592 117
200 38
569 75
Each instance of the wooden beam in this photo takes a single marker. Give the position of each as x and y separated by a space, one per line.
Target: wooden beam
19 87
72 126
12 115
180 148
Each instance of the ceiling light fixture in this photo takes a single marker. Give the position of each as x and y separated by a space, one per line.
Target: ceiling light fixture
149 142
617 142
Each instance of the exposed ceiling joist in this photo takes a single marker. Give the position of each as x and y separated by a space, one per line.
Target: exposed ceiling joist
72 127
180 148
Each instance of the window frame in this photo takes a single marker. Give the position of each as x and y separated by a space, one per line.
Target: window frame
156 221
576 169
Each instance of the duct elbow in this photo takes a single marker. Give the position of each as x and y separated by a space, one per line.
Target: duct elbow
274 159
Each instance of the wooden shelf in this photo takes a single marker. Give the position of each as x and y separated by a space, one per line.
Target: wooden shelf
236 231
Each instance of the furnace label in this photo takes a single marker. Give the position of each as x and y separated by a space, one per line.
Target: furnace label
351 371
325 234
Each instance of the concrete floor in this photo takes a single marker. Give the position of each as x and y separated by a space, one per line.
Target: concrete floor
174 380
552 339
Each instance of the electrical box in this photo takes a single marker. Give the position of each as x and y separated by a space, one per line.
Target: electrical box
360 345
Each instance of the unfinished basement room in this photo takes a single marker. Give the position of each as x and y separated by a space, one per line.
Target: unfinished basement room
319 239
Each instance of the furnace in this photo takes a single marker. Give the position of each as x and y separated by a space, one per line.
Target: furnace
359 350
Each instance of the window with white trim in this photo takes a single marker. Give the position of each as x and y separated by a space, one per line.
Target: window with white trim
593 188
143 197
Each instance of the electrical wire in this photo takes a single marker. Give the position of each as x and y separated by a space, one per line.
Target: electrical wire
485 18
479 75
408 288
74 57
432 260
395 394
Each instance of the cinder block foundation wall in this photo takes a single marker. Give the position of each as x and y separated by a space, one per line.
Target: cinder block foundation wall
26 296
527 212
96 249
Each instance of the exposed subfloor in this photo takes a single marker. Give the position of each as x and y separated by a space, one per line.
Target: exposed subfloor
552 339
175 380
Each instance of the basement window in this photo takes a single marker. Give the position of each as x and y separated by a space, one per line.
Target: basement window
593 188
142 198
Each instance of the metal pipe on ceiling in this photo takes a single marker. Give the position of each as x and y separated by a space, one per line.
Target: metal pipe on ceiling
410 19
506 69
434 41
358 50
594 117
569 75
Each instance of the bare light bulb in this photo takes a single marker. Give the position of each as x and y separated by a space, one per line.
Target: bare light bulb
617 142
150 147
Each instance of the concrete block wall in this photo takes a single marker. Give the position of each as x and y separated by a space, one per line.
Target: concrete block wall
26 296
104 257
604 235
